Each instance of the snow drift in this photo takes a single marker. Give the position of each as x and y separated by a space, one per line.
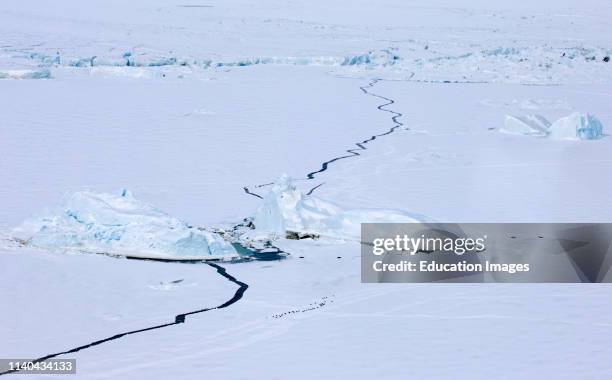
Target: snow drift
286 210
120 225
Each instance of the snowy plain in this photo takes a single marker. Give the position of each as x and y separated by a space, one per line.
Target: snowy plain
186 104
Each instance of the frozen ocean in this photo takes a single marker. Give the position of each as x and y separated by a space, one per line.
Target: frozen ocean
183 183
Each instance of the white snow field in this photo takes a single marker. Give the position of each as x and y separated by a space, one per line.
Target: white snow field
186 104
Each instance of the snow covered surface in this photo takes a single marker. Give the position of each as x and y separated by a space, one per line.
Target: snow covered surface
185 104
120 225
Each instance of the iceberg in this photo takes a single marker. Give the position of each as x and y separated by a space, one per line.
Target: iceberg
287 211
120 225
577 126
531 125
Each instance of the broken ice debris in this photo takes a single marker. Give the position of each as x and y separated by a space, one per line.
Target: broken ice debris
531 125
577 126
120 225
287 211
25 74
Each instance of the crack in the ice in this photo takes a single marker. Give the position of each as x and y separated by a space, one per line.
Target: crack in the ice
314 188
178 319
246 190
360 145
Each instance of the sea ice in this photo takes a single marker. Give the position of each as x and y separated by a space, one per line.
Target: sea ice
532 125
286 209
122 225
577 126
25 74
